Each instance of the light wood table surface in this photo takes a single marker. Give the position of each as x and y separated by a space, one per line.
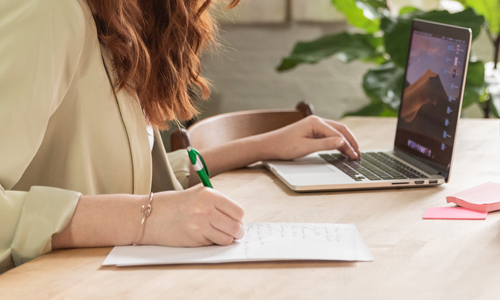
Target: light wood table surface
414 258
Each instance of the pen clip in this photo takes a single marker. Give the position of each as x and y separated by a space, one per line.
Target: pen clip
193 159
203 163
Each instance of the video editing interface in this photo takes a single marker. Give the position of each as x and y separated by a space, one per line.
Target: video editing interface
431 97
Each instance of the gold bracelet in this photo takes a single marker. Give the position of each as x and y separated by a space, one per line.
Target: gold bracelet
145 211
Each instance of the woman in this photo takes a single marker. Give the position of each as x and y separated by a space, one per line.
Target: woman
81 85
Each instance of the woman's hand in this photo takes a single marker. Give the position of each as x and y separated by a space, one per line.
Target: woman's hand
301 138
195 217
309 135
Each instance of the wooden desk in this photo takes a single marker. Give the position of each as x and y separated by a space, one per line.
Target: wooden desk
414 258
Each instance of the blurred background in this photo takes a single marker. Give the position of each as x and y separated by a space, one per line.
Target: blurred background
258 34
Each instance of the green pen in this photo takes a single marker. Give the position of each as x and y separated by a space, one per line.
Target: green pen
199 166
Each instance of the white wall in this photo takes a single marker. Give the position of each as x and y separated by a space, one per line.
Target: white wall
244 74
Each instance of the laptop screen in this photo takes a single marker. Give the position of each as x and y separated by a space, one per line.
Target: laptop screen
432 93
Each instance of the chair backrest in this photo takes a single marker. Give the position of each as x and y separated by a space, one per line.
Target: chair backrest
228 127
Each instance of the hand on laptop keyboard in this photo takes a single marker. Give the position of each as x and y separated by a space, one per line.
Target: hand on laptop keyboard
309 135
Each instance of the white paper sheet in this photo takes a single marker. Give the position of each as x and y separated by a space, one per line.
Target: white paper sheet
262 242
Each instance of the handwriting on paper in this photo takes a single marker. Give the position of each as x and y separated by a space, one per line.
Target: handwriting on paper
262 242
291 239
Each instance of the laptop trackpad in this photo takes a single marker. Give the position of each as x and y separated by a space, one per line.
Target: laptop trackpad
309 171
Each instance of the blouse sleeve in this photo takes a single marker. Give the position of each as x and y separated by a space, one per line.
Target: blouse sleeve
28 220
179 161
40 48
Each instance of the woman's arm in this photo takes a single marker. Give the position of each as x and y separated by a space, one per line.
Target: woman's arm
195 217
308 135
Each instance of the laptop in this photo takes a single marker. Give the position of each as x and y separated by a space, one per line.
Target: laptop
430 108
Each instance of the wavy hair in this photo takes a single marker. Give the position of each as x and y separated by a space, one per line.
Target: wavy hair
156 46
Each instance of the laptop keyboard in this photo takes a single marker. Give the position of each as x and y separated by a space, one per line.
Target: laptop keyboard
372 166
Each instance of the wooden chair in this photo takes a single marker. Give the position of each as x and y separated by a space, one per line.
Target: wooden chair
228 127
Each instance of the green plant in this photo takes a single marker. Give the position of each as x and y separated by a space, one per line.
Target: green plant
383 40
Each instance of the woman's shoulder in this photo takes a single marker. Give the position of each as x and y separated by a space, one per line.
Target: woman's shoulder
26 7
34 23
41 14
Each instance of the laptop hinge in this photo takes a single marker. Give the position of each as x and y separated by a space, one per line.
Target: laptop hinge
419 164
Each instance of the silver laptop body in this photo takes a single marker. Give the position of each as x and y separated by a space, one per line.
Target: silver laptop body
427 124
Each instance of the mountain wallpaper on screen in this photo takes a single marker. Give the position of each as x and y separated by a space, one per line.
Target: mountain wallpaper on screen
427 90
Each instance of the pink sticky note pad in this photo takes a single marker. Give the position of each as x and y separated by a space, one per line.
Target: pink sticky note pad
484 197
454 213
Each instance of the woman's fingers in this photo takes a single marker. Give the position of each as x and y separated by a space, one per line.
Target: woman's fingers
218 237
225 220
348 150
229 207
324 128
346 132
329 143
200 242
227 225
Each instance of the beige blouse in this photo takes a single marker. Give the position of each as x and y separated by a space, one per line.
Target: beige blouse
63 131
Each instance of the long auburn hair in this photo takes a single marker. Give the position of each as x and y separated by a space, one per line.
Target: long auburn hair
156 46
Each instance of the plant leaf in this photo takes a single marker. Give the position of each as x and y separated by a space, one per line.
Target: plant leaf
347 47
467 18
490 9
396 30
475 73
385 85
475 86
379 5
407 10
360 14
